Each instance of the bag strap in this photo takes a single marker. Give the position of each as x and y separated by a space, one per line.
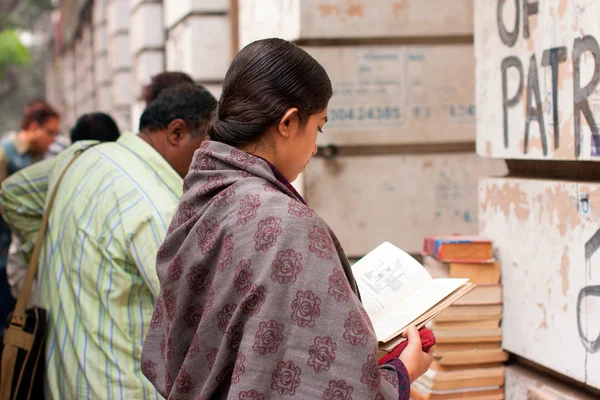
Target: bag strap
18 316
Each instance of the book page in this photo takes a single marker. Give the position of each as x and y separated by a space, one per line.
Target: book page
412 308
386 277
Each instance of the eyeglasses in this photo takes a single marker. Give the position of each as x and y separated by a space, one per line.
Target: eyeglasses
50 132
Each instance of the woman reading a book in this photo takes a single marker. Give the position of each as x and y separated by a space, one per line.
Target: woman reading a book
257 297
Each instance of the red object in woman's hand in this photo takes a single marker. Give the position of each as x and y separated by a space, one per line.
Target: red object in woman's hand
427 341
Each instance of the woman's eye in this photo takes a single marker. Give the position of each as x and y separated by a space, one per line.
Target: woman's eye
320 130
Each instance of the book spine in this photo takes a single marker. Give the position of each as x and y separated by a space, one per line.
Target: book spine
429 246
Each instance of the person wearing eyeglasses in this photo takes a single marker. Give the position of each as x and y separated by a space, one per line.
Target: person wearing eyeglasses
39 128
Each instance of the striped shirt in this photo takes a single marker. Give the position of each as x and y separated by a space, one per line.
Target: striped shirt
97 274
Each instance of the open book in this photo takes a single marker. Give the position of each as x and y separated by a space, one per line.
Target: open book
398 292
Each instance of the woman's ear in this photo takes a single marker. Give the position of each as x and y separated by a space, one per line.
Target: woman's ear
289 124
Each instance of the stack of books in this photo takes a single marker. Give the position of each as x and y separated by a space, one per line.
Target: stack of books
468 358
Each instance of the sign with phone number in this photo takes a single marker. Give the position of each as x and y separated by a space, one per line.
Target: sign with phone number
392 114
357 113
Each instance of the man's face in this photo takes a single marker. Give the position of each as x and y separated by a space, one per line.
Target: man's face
184 153
43 135
181 145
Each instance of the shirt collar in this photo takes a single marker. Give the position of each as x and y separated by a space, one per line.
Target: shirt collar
164 171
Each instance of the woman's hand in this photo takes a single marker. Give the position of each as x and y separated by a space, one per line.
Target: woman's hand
415 360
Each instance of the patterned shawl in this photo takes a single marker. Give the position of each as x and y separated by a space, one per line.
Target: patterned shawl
257 297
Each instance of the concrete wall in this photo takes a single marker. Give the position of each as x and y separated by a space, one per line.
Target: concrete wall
126 42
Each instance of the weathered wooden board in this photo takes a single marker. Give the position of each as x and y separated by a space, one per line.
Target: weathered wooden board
200 46
538 65
327 19
176 10
398 198
524 384
547 234
399 94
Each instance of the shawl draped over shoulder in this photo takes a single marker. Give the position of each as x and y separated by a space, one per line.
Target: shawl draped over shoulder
257 297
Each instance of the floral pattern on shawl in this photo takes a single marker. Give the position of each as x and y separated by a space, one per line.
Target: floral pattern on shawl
257 298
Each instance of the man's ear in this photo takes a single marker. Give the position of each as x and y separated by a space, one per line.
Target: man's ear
176 130
290 122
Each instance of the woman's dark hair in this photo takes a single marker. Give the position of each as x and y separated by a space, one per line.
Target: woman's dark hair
95 126
162 81
265 79
189 102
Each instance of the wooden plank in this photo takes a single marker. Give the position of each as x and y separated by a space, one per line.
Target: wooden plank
327 19
522 383
541 230
398 198
399 94
540 64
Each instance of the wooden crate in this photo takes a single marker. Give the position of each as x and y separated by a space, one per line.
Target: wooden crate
544 70
524 384
399 94
333 19
547 234
399 198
